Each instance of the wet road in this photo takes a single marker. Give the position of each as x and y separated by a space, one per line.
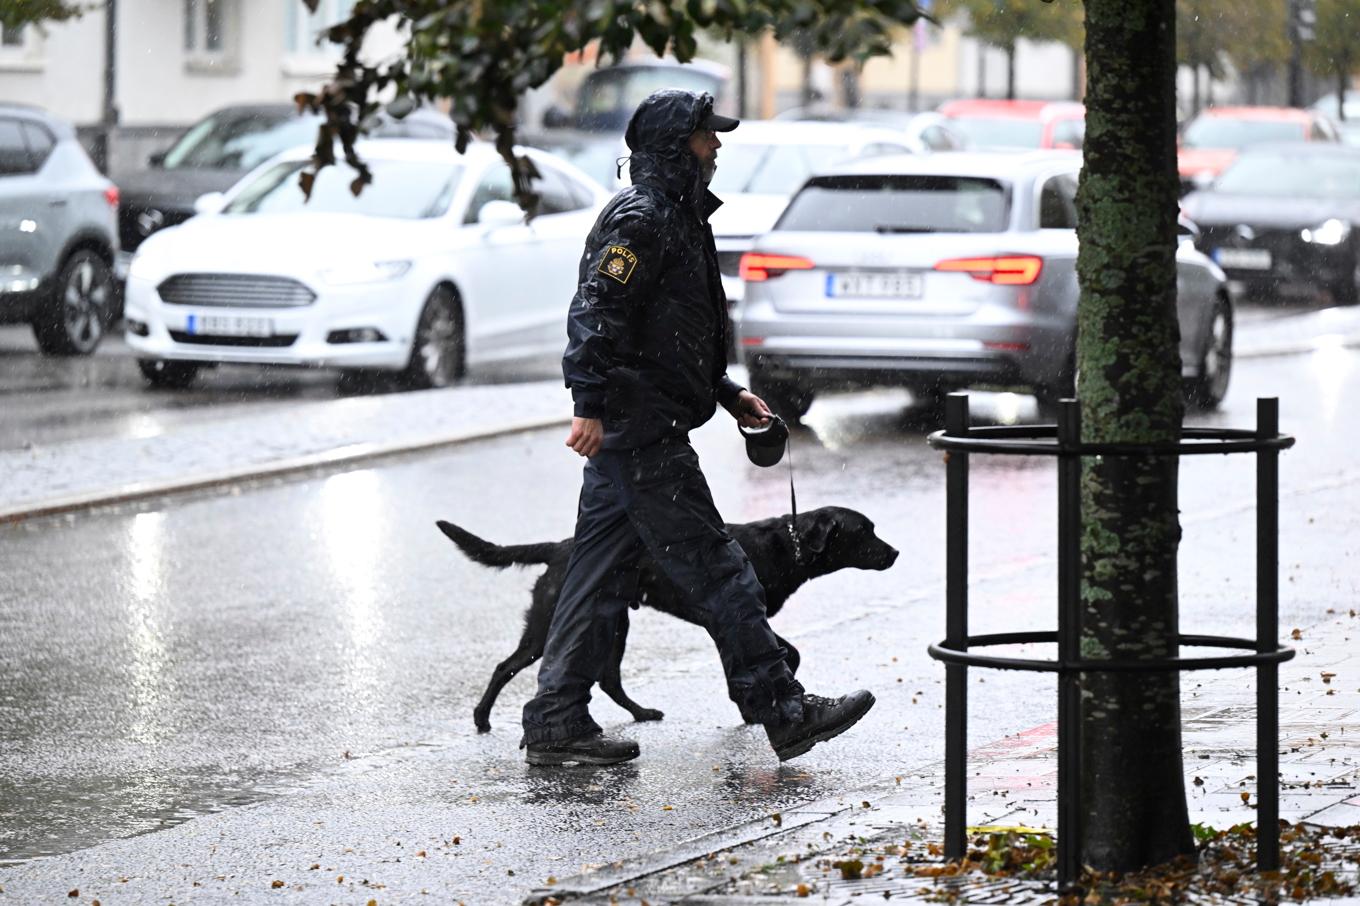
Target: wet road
50 400
316 646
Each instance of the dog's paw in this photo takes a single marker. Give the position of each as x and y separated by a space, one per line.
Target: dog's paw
644 714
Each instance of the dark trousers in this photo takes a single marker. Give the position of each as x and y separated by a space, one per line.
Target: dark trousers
654 500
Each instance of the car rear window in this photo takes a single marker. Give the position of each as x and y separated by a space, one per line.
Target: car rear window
999 131
899 204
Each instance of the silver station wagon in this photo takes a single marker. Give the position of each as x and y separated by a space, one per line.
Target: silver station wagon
942 272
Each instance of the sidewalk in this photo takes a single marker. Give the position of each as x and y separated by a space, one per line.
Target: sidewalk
1012 782
64 477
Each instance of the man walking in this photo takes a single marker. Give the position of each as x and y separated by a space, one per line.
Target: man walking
646 364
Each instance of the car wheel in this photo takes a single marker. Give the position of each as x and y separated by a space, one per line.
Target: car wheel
437 352
73 320
1347 292
1047 396
168 375
1215 360
785 398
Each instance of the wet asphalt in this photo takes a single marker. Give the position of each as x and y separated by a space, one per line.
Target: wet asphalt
292 664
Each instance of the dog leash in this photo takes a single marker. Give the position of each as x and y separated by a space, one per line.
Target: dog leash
793 507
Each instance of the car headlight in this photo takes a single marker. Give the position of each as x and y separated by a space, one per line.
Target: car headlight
365 272
1331 232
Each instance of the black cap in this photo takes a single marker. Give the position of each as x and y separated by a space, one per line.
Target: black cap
719 123
765 446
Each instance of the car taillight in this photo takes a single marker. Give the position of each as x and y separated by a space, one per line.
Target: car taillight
756 267
111 196
1006 270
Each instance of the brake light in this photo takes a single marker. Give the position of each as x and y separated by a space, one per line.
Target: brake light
111 196
756 267
1005 270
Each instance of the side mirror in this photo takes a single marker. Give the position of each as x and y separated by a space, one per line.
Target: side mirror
156 160
556 118
210 203
1187 230
495 214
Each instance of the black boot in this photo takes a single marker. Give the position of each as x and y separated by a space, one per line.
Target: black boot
593 748
823 718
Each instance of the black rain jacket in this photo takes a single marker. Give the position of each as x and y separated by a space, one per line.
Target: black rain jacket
647 329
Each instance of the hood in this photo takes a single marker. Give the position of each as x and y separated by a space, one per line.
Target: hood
748 215
658 137
1210 208
293 244
173 190
1191 161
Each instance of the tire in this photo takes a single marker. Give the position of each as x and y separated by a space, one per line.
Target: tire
785 398
438 354
165 375
1047 396
1210 385
1347 292
72 322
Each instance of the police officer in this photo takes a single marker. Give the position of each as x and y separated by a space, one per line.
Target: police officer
646 364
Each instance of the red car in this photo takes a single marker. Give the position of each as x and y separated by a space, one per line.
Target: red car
1211 142
1017 124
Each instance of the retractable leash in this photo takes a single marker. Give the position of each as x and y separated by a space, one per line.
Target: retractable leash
765 447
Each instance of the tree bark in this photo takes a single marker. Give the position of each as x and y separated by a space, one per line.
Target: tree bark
1130 387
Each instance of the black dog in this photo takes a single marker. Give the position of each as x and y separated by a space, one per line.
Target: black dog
823 541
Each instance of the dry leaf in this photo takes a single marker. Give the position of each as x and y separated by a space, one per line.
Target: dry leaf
1296 635
803 890
276 885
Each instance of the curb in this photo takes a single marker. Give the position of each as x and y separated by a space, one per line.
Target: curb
340 456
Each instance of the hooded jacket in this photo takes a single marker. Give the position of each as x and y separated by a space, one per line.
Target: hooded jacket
646 350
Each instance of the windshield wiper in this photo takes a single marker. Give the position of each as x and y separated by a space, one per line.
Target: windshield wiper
890 228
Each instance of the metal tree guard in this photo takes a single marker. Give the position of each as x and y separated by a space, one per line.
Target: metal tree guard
961 439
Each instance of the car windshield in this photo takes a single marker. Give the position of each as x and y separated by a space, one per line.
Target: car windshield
999 131
609 90
404 189
899 204
1225 132
1285 175
240 140
771 169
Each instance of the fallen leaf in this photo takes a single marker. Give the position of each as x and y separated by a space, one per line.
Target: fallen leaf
803 890
276 885
75 893
1296 635
1246 797
778 819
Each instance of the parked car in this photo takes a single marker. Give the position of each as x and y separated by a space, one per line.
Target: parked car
58 234
998 124
1346 114
1284 220
924 132
607 97
431 269
1214 138
222 147
941 272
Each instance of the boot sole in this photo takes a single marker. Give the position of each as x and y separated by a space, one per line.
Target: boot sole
801 747
559 759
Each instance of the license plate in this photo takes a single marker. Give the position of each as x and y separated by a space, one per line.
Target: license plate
228 326
1244 259
894 285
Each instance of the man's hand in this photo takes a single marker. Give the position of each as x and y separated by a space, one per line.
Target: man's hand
750 410
587 435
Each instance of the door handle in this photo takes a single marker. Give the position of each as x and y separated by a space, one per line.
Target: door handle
57 203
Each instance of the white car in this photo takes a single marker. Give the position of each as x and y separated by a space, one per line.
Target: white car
430 270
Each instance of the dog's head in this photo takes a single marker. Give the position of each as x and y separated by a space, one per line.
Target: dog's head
835 537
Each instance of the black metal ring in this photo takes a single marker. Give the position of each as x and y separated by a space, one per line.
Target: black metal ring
943 652
1042 440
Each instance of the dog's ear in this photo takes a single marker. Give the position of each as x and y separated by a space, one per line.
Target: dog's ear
820 534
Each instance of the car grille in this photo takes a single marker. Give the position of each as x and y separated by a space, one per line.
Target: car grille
136 222
235 290
198 339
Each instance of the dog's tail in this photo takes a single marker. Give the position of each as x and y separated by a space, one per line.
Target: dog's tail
497 555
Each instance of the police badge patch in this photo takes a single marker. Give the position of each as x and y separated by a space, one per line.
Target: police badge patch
617 262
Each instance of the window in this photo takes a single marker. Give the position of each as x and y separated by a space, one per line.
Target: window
40 143
402 189
303 29
20 48
14 156
13 37
899 204
1058 204
495 185
555 193
210 31
1069 133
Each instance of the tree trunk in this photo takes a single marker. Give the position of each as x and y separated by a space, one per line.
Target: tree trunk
1010 71
1130 387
